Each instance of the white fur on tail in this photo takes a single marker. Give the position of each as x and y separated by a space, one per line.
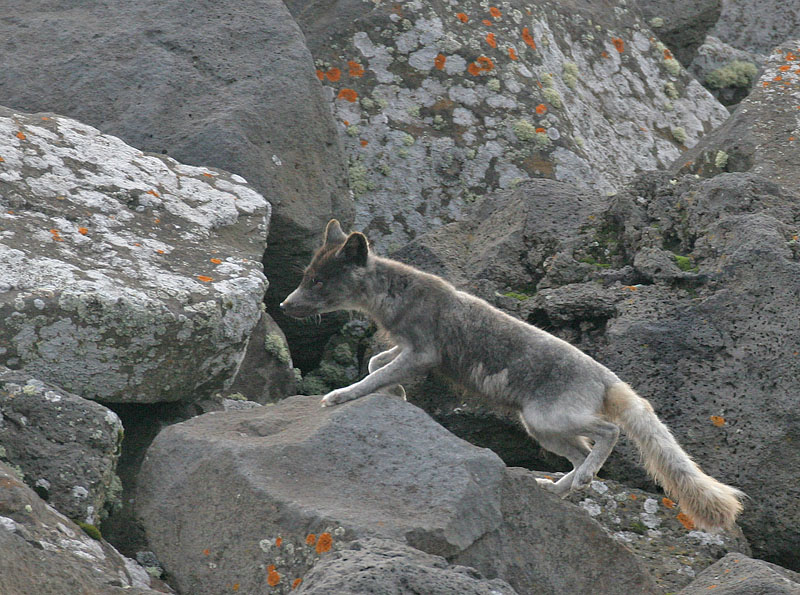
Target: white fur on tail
710 503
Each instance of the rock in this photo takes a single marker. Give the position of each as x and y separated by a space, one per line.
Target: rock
653 528
727 72
291 481
682 26
380 566
128 277
230 87
43 552
439 104
64 447
757 25
739 575
762 135
266 374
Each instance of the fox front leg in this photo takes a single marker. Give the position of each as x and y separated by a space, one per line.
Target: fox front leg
407 363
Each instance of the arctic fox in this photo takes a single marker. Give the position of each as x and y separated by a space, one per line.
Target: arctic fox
571 404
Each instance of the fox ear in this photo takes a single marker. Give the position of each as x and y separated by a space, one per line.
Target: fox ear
334 233
356 248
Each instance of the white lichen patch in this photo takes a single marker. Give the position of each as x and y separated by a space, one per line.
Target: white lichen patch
107 251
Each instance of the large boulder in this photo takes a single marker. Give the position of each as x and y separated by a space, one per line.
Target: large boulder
739 575
128 277
762 136
65 447
210 84
289 482
43 552
681 25
438 104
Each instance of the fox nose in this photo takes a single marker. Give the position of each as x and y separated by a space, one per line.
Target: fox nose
282 305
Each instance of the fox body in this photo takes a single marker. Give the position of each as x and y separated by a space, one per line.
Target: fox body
570 403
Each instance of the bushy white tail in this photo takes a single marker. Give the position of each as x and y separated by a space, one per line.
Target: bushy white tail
710 503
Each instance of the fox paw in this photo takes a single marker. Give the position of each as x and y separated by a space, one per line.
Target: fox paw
335 397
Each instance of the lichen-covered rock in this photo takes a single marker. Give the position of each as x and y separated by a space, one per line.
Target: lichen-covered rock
739 575
439 103
128 277
763 135
289 482
652 526
380 566
65 447
681 25
729 73
43 552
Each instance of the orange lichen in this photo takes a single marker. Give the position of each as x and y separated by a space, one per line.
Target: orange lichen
235 587
21 135
311 539
790 56
439 61
156 221
512 53
206 552
218 261
348 95
634 497
355 69
785 67
667 502
686 520
273 578
56 235
495 12
718 421
619 44
333 74
462 17
324 543
541 108
482 64
765 84
320 75
205 279
296 583
208 175
668 55
491 40
541 130
363 142
154 193
278 541
778 78
604 54
528 38
1 160
487 22
160 251
83 231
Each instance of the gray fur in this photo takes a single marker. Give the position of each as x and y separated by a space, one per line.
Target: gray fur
558 391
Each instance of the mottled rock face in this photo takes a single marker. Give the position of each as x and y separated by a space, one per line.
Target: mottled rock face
438 103
128 277
763 135
65 447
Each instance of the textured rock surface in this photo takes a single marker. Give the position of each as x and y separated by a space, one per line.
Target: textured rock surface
681 25
438 103
740 575
65 447
757 25
763 134
266 374
389 568
653 528
128 276
43 552
291 481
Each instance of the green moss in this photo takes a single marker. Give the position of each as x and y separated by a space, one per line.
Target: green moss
721 159
570 75
737 73
367 103
547 80
638 527
673 66
438 122
594 262
2 452
236 397
353 130
671 91
408 140
516 295
413 111
275 345
342 354
552 97
312 385
359 182
668 107
91 531
524 130
679 134
384 169
684 263
493 85
541 140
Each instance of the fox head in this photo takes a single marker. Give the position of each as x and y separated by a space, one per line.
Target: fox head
329 282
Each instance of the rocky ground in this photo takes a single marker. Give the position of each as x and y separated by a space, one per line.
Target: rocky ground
623 175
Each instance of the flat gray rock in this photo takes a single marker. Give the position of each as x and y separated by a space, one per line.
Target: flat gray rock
128 277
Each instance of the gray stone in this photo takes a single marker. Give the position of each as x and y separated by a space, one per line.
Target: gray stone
729 73
291 481
128 277
434 112
65 447
211 84
762 135
739 575
43 552
681 25
757 25
380 566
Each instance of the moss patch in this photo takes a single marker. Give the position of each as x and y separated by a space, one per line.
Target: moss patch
737 73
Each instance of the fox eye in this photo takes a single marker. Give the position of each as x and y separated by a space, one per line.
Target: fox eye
316 283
